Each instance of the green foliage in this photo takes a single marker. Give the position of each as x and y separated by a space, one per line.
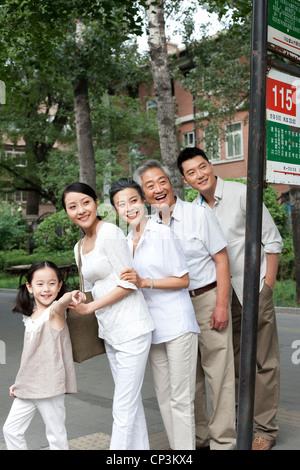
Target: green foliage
21 257
189 193
284 294
13 229
60 169
40 61
34 91
286 268
278 211
122 129
240 10
56 233
219 79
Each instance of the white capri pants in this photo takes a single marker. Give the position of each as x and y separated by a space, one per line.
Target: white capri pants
128 362
21 413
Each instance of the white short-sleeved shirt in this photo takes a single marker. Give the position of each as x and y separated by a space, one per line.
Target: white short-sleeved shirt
230 210
158 255
101 269
200 236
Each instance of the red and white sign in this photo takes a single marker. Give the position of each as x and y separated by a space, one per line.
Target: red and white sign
282 100
281 97
283 128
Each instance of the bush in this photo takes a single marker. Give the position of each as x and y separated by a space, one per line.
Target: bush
56 233
13 228
21 257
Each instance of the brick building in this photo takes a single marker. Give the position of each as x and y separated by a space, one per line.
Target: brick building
230 157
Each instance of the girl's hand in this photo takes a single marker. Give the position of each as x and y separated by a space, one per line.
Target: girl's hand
77 298
11 391
131 275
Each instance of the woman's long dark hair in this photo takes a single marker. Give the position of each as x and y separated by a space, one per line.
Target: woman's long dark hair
24 302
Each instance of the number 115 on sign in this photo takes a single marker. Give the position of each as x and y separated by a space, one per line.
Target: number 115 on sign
281 97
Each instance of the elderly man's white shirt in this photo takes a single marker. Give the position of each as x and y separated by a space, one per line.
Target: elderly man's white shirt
200 237
230 210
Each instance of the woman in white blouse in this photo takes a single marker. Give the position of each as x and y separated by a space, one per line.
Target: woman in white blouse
160 270
123 317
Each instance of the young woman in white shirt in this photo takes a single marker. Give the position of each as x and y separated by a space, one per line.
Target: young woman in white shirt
160 270
123 317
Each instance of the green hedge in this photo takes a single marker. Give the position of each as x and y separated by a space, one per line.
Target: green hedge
19 257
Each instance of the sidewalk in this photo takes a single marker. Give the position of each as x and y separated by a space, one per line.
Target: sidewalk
288 417
89 417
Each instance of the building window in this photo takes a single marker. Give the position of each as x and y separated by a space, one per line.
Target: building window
18 197
19 157
188 139
234 144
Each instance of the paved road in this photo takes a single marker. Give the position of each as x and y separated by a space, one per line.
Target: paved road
89 411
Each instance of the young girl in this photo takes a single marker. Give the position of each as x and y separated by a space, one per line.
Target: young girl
47 370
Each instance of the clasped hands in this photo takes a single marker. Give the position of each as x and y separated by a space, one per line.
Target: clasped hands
77 304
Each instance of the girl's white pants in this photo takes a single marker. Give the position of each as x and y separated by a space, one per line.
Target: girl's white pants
21 413
128 362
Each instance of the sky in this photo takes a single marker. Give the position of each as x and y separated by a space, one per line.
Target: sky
201 18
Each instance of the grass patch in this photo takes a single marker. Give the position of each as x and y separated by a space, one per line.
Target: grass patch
285 294
8 282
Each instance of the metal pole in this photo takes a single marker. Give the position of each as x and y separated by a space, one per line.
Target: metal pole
256 158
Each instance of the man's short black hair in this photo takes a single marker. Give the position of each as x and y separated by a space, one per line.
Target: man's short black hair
187 154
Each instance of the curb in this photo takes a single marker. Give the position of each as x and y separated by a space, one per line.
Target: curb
288 310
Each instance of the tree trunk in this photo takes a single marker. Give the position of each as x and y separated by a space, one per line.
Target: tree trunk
295 214
163 91
32 211
32 204
85 147
86 157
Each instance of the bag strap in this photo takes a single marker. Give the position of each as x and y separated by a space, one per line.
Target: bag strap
81 281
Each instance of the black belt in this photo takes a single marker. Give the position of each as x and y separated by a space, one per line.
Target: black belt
201 290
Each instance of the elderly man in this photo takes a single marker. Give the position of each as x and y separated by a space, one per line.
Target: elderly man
204 246
227 200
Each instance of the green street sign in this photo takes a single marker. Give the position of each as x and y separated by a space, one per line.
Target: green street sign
284 27
283 128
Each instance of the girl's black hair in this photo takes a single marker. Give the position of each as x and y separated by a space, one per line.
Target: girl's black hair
124 183
24 302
